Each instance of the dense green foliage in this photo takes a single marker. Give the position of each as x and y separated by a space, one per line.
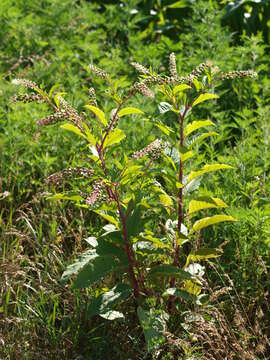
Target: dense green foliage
52 43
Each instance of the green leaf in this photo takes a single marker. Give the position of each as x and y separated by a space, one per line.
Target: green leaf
192 288
105 247
90 137
79 264
99 113
178 4
200 138
153 323
205 203
195 125
129 110
180 88
74 129
204 97
203 223
202 254
180 294
207 169
106 301
107 217
65 197
114 137
95 270
165 129
165 200
169 270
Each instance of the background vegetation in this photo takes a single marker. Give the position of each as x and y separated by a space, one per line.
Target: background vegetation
51 42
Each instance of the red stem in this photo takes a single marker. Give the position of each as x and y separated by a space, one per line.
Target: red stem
129 250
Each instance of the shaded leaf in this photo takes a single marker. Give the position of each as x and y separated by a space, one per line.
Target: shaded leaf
169 270
79 264
154 326
95 270
106 301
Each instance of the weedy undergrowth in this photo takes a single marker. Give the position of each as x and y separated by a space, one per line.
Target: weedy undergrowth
149 198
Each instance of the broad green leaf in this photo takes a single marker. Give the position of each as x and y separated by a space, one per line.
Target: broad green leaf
195 125
74 268
74 129
203 223
106 301
187 155
114 137
165 129
65 197
202 254
207 169
204 97
132 169
153 323
180 88
179 4
200 138
129 110
112 315
192 288
95 270
180 294
99 113
205 203
105 247
107 217
169 270
165 200
89 135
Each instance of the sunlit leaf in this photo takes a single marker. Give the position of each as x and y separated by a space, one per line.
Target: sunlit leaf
89 135
114 137
195 125
207 221
207 169
205 203
180 88
204 97
112 315
202 254
129 110
74 129
99 113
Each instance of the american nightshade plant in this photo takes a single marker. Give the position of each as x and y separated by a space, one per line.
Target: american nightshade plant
144 197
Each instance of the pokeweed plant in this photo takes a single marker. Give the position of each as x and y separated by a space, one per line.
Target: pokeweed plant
144 197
